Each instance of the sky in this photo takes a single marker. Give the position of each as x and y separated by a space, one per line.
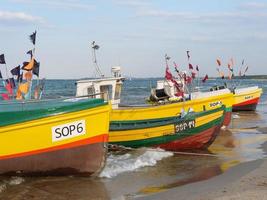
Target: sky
134 34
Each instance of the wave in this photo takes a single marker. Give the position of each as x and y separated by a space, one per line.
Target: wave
117 164
15 180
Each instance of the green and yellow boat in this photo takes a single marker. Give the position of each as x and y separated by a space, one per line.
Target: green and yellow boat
192 131
44 137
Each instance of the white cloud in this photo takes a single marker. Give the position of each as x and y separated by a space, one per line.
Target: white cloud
72 4
254 5
132 3
7 16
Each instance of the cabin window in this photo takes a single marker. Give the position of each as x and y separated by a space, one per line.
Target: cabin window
118 91
91 91
106 91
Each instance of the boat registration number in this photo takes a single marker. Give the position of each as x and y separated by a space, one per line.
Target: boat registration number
69 130
248 97
179 127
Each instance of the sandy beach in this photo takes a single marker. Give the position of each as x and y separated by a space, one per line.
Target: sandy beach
244 181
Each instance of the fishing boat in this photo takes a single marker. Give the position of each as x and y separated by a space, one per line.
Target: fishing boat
246 99
166 91
64 136
153 125
53 137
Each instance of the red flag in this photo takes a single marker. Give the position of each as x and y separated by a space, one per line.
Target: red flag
168 74
205 78
188 79
218 62
9 88
197 68
190 66
188 56
5 96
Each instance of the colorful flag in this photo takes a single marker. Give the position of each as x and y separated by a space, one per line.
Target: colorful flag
205 78
9 88
12 82
28 76
2 59
188 56
15 71
190 66
218 62
24 87
36 68
33 37
28 65
5 96
168 74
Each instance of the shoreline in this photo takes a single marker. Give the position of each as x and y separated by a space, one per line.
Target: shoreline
245 181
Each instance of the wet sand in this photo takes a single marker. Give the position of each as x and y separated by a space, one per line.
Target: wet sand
245 181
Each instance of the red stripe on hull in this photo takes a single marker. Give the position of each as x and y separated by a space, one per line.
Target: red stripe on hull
227 118
97 139
199 141
251 101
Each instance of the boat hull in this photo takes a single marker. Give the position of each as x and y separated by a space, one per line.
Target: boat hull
164 133
30 147
247 100
205 102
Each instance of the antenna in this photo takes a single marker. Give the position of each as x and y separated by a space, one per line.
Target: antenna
94 48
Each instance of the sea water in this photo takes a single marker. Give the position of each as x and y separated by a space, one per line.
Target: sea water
134 172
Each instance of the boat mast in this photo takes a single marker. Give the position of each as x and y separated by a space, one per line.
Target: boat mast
94 48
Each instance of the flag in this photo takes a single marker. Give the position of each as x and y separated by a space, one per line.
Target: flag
168 74
176 67
36 68
2 59
95 46
5 96
30 53
9 88
33 37
28 76
188 56
197 68
190 66
246 70
230 75
28 65
218 62
12 82
20 78
15 71
1 75
24 87
243 62
205 78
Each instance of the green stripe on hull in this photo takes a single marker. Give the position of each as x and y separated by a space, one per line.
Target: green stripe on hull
229 109
14 117
150 123
169 138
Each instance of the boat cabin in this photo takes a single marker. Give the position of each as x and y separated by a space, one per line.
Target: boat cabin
107 88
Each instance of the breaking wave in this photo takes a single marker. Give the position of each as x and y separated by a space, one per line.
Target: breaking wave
12 181
117 164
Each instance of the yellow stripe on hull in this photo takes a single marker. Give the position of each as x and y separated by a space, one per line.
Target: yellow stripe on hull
37 134
247 95
172 109
146 133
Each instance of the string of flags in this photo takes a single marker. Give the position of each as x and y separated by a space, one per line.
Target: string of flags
23 76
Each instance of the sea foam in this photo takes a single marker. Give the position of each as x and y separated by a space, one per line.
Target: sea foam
117 164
